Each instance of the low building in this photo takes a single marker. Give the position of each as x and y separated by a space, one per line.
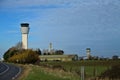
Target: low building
58 57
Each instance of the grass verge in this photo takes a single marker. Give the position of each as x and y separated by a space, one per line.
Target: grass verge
33 72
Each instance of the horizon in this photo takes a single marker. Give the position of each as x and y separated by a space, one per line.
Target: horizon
70 25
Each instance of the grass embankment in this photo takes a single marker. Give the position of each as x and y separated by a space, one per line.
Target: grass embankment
92 68
33 72
65 70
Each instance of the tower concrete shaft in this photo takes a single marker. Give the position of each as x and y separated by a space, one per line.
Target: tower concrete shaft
25 41
50 47
88 50
25 31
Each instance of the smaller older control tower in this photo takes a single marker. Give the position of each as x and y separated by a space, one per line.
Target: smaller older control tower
88 50
25 30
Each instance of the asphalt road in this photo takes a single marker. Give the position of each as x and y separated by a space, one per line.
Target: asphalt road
3 68
9 71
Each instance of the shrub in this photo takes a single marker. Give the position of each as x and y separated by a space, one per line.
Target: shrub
10 52
27 56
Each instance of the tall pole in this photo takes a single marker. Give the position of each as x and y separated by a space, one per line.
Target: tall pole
82 73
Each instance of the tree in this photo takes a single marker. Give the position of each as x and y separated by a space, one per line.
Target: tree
19 55
115 57
10 52
27 56
13 50
113 73
45 52
59 52
38 51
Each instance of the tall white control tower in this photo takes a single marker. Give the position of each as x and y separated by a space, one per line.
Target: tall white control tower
25 30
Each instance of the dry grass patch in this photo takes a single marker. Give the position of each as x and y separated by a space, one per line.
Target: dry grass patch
25 71
60 73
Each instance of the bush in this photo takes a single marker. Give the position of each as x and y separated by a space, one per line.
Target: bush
113 73
10 52
27 56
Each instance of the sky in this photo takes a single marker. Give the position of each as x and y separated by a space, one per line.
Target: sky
70 25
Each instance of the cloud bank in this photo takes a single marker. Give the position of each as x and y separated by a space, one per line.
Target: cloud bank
70 24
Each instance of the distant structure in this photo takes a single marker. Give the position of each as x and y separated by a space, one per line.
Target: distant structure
50 47
51 50
51 54
25 30
70 57
88 50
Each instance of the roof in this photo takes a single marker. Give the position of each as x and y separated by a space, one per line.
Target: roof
53 56
24 24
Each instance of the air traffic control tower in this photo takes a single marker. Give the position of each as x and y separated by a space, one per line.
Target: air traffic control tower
88 50
25 30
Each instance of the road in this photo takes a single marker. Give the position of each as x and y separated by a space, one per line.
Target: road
3 68
9 71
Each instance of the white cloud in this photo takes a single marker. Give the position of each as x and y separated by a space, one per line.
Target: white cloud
60 3
31 3
68 21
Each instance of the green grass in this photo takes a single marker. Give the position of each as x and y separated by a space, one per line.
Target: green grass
38 74
92 69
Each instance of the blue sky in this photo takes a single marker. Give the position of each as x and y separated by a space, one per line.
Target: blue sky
71 25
